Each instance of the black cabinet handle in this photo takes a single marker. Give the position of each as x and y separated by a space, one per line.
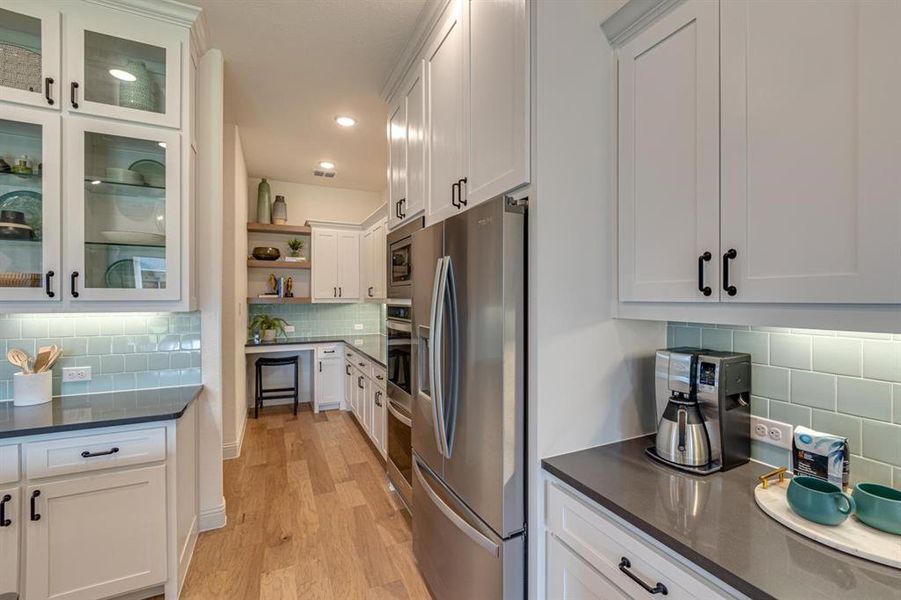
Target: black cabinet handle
360 382
730 289
48 81
370 291
460 193
4 522
73 94
340 292
704 289
379 377
320 366
47 277
334 292
362 364
378 395
454 201
73 283
347 369
328 351
34 508
87 454
624 565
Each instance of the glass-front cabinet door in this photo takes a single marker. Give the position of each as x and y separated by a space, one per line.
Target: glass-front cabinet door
123 67
122 212
29 205
29 53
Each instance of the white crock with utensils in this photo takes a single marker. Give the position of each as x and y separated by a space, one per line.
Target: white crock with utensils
34 384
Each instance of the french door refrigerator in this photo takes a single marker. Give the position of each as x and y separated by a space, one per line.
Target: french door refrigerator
469 403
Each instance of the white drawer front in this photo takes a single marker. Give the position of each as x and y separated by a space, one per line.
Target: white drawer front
9 463
328 351
93 452
351 356
379 376
603 544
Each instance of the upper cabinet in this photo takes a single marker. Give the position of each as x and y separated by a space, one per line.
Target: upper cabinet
374 261
123 66
335 265
758 153
466 112
397 160
30 53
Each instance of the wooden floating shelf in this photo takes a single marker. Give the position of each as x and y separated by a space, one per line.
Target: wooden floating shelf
276 264
295 300
286 229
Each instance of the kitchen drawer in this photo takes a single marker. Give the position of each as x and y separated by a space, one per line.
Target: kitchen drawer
379 376
603 544
9 463
569 577
350 355
62 456
364 364
324 351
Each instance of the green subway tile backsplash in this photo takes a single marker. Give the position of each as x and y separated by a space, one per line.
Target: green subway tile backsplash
835 381
326 319
124 351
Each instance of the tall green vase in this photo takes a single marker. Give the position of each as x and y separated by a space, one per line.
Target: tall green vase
264 202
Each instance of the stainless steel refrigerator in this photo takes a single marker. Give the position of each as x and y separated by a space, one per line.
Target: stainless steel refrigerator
469 405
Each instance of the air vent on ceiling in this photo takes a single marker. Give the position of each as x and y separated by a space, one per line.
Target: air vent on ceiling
326 174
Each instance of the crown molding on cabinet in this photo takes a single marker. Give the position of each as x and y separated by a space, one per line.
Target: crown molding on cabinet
427 21
376 216
632 17
335 225
170 11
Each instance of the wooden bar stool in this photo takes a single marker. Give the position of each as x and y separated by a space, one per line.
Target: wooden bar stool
275 393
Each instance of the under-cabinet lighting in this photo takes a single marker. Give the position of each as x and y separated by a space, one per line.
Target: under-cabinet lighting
345 121
123 75
326 164
95 182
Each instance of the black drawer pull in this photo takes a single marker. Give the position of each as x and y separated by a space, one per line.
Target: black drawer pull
47 288
73 92
4 522
378 396
379 377
328 351
730 289
360 382
34 508
48 81
624 565
73 283
704 289
347 369
87 454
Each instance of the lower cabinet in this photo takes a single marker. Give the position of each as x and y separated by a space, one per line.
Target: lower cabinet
377 429
96 536
366 399
329 381
349 397
10 519
591 554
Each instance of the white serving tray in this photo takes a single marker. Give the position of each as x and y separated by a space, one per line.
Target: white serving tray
851 537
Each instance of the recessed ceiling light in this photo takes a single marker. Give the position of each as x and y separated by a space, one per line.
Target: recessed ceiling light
345 121
162 144
326 164
123 75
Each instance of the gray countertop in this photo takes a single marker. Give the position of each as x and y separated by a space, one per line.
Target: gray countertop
727 535
86 411
373 345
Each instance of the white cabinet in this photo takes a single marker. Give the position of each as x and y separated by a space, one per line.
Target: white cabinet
96 536
349 397
811 136
10 519
414 93
374 261
329 383
569 577
445 74
498 99
397 160
335 265
669 158
123 66
30 30
377 430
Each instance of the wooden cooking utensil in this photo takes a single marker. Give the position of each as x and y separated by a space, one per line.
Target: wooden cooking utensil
42 360
54 356
19 358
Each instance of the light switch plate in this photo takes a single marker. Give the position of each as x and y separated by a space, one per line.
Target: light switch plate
76 374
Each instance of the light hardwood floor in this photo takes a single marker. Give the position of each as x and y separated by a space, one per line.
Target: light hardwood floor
309 516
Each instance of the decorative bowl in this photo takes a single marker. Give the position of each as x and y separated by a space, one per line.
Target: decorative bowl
266 253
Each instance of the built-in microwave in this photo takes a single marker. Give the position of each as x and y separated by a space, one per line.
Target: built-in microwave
400 264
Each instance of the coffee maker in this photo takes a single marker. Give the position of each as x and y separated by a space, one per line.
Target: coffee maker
703 409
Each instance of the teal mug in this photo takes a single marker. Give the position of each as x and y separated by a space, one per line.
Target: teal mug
819 501
879 506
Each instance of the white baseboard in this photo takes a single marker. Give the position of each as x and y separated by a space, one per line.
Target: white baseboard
212 518
232 450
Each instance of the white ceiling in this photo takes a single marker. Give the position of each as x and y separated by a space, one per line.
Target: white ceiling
292 66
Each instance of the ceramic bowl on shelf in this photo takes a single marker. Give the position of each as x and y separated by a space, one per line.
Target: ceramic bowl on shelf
27 203
134 238
266 253
128 176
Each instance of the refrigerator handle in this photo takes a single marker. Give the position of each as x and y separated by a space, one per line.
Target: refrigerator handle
453 397
435 358
474 534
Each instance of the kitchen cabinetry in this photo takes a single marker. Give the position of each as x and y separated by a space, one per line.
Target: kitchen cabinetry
406 150
397 160
329 379
30 33
336 265
374 261
366 397
571 578
96 536
10 524
806 210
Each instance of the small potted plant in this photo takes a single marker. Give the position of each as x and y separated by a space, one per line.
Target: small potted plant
296 247
268 327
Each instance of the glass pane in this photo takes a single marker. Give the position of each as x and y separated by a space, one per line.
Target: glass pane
124 72
125 212
21 205
20 51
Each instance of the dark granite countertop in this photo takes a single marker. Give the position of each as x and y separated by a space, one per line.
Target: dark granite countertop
727 535
373 345
86 411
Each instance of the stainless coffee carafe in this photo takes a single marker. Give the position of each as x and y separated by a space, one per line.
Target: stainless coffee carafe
682 435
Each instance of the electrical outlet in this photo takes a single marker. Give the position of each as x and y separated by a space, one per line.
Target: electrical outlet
771 432
76 374
358 326
289 328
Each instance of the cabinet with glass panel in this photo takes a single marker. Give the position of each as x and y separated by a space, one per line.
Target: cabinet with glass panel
117 231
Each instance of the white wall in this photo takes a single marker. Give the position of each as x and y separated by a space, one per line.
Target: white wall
590 376
234 293
317 202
